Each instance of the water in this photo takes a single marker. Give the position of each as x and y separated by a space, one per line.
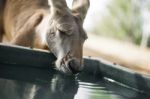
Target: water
33 83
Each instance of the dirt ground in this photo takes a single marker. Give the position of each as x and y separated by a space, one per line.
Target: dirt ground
122 53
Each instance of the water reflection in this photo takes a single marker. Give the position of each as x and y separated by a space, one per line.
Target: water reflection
94 88
94 91
59 89
33 83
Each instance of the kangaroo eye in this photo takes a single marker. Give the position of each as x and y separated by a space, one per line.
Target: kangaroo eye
61 31
65 28
65 32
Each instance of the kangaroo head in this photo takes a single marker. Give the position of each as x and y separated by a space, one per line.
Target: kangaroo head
66 35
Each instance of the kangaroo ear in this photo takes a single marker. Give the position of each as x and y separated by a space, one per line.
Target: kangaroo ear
80 8
58 7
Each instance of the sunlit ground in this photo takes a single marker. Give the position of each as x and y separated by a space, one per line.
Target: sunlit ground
123 53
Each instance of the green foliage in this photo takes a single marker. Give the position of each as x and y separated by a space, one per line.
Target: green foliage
148 42
122 21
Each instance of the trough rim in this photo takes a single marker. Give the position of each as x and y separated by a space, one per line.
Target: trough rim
94 66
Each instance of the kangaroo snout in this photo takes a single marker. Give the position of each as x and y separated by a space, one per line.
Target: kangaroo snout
75 66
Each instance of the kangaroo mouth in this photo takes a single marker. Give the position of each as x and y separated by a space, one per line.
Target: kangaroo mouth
62 64
68 64
65 69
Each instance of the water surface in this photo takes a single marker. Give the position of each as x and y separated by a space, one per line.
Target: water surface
34 83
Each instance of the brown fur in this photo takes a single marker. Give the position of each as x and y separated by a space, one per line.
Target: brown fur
24 22
20 19
2 4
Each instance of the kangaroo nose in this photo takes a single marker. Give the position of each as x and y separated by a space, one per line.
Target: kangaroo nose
74 66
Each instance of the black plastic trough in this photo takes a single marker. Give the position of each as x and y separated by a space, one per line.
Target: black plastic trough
23 56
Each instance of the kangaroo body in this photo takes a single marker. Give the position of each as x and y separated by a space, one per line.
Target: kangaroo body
19 21
46 24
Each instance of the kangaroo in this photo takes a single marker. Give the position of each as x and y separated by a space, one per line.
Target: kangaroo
47 24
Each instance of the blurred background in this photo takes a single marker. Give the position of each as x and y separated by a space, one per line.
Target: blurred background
119 31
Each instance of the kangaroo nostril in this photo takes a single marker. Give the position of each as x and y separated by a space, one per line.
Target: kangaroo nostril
73 66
